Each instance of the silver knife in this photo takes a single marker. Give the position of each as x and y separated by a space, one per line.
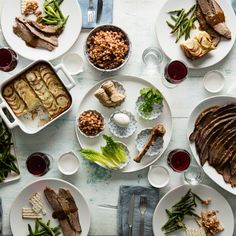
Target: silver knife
131 214
99 10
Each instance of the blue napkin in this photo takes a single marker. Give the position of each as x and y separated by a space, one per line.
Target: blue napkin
106 17
234 5
125 195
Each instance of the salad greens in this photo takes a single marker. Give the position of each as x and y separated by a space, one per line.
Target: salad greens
186 206
7 160
112 155
183 22
43 229
150 96
53 14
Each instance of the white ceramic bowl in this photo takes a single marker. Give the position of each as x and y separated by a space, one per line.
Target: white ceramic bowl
73 62
158 176
68 163
213 81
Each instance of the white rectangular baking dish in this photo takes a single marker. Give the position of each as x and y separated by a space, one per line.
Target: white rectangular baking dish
28 124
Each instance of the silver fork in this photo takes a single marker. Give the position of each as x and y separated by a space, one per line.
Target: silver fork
142 208
91 12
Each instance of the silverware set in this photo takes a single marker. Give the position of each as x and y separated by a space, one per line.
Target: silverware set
142 208
92 14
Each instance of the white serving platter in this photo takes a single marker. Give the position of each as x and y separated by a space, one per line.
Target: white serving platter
173 50
19 225
209 170
132 86
11 9
173 196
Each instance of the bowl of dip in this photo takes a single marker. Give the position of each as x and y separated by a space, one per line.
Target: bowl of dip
158 176
68 163
213 81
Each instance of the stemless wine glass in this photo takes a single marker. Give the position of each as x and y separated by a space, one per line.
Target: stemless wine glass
152 57
8 60
38 163
175 72
194 175
179 160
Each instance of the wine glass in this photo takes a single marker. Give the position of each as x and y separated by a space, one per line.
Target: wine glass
9 59
175 72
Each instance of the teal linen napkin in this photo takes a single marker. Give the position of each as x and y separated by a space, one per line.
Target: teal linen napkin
106 17
125 194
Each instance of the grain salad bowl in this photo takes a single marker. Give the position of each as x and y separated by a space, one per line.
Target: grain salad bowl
107 48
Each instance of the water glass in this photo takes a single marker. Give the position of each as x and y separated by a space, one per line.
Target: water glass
175 72
194 175
152 57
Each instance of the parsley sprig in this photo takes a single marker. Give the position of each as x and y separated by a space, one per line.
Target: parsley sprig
150 97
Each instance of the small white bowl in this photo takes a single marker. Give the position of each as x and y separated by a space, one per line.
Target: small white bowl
68 163
73 63
158 176
213 81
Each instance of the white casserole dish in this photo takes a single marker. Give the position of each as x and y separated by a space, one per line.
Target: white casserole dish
26 123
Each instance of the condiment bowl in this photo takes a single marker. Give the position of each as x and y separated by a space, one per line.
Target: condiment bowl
158 176
73 62
213 81
108 27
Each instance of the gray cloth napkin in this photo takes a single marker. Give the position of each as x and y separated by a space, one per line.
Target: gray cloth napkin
234 5
106 17
123 209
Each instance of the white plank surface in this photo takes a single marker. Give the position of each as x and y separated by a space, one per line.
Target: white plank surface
137 18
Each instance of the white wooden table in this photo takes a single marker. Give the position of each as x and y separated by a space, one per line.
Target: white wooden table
100 186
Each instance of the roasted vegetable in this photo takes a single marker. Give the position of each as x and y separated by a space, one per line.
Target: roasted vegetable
112 155
150 96
7 160
183 22
186 206
43 229
53 14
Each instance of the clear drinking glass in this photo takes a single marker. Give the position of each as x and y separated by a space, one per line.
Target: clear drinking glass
194 175
152 57
175 72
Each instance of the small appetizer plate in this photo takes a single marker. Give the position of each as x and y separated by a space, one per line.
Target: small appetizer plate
90 122
143 137
116 127
157 109
158 176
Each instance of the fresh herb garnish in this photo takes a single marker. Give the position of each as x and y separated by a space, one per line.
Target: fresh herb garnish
7 160
43 229
186 206
112 155
150 97
183 22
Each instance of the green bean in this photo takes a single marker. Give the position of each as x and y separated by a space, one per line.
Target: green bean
178 22
171 25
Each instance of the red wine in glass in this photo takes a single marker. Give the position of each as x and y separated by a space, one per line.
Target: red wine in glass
38 163
175 72
179 160
8 59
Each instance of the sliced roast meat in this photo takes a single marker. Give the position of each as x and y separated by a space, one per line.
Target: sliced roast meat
73 216
206 27
52 198
233 164
214 16
233 180
226 173
48 29
52 39
203 118
23 32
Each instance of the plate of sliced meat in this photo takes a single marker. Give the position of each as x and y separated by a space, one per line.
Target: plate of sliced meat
41 29
198 32
50 199
212 137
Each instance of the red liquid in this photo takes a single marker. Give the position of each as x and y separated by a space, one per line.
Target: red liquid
38 164
8 59
179 160
175 72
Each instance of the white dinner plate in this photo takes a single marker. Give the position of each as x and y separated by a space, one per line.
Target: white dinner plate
173 196
173 50
132 86
19 225
209 170
11 9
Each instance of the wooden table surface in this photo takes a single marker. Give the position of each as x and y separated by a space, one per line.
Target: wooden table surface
98 185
